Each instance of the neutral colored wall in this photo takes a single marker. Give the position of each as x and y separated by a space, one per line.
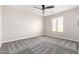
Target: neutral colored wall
71 30
18 24
0 23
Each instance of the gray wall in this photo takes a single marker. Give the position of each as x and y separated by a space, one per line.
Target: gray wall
71 29
18 24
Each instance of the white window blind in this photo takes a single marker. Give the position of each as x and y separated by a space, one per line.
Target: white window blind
57 24
54 24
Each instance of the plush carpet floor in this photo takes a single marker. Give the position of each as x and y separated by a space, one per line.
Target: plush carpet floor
47 48
40 45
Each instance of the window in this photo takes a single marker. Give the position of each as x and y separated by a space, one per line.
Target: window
54 24
57 24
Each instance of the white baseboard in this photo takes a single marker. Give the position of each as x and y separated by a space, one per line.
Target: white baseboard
21 38
36 36
63 38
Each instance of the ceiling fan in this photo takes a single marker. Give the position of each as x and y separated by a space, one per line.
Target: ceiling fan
43 8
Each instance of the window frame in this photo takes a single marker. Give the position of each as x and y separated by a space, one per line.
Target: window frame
56 24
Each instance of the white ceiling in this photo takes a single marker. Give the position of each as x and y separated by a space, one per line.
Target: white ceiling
56 9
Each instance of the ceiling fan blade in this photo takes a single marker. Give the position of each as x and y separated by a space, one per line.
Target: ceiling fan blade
37 7
43 7
49 7
43 12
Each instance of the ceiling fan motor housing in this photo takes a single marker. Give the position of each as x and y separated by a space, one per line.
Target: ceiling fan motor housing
43 7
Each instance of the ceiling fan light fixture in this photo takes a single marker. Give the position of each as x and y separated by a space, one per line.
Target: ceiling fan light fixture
43 8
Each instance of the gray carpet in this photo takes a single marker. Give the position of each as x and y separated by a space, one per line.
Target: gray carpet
47 48
40 45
